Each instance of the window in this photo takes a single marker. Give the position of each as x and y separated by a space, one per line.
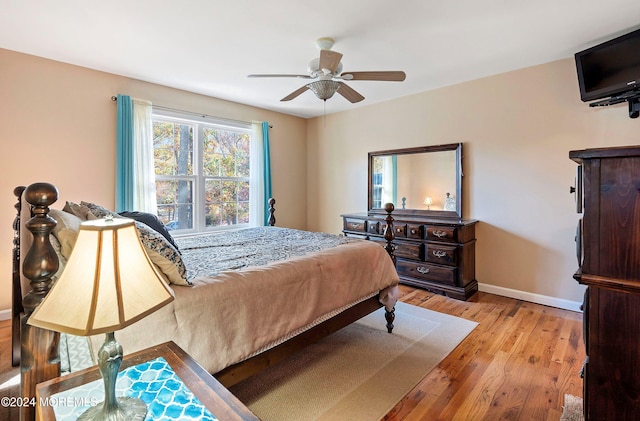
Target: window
201 173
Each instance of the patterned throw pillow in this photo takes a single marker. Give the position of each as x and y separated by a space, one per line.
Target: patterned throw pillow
152 222
165 256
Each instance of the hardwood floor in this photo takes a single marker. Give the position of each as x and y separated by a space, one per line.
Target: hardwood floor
516 365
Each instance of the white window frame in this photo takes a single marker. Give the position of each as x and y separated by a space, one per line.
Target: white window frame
198 178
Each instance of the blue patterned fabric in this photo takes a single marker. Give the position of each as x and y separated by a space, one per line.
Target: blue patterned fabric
155 382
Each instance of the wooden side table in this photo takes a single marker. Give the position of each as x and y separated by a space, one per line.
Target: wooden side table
213 396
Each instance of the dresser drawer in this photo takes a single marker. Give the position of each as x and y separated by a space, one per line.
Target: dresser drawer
415 231
428 272
440 253
373 227
435 233
356 225
409 250
400 230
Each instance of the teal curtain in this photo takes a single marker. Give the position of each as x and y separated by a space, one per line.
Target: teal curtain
266 156
124 154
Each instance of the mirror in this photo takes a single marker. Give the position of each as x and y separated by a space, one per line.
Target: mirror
424 181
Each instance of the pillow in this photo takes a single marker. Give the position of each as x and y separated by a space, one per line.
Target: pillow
152 222
165 256
66 230
97 210
81 211
62 261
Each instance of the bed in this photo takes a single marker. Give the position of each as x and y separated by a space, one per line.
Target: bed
282 290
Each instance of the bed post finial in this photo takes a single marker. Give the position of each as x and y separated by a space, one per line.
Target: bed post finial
389 234
39 347
272 218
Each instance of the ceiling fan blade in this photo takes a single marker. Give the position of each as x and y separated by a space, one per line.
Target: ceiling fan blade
295 93
330 60
390 76
281 75
349 93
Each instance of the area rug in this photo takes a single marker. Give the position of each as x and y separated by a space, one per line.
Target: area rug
572 409
358 373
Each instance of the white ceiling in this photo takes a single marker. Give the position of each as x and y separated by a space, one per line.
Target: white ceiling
210 46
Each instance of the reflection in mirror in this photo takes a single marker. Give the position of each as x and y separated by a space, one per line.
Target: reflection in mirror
417 180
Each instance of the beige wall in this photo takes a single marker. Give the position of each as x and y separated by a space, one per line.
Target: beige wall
57 124
517 129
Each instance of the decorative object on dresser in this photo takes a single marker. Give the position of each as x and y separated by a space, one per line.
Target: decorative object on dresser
108 283
434 247
608 251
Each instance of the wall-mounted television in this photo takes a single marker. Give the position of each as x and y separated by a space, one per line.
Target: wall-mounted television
610 69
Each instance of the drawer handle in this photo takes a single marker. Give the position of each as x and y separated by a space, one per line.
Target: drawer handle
439 253
439 233
413 231
355 225
422 269
398 229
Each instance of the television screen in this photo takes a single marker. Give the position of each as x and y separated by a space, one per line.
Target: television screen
609 69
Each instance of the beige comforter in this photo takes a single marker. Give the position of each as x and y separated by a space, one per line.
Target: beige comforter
234 315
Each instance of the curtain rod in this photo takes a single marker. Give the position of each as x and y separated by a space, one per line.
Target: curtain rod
115 98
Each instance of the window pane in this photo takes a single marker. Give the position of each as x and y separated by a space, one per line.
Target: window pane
243 212
243 148
243 191
172 148
175 203
225 153
227 202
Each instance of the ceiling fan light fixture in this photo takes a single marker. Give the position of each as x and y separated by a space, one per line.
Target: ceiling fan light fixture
324 89
324 43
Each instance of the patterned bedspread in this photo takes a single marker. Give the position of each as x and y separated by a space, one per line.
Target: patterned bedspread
208 255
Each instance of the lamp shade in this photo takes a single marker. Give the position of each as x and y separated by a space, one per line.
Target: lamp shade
107 284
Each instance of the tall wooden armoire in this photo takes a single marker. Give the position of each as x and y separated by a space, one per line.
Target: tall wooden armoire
608 251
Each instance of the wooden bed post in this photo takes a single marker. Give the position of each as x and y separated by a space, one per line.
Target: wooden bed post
389 236
39 347
16 306
272 218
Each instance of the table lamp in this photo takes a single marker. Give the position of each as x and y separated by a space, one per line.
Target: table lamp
107 284
428 202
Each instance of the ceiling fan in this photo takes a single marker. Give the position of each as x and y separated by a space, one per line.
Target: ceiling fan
327 71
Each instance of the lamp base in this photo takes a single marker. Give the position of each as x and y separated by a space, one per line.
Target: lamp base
128 409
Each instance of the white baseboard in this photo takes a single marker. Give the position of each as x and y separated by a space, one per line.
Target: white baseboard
5 314
531 297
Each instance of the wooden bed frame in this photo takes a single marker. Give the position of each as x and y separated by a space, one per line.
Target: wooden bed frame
36 349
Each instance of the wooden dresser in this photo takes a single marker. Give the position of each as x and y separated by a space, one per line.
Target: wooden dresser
434 254
608 251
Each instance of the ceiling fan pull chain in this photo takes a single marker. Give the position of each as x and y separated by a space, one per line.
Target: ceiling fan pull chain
324 118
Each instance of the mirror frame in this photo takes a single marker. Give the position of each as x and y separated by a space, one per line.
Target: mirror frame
457 147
